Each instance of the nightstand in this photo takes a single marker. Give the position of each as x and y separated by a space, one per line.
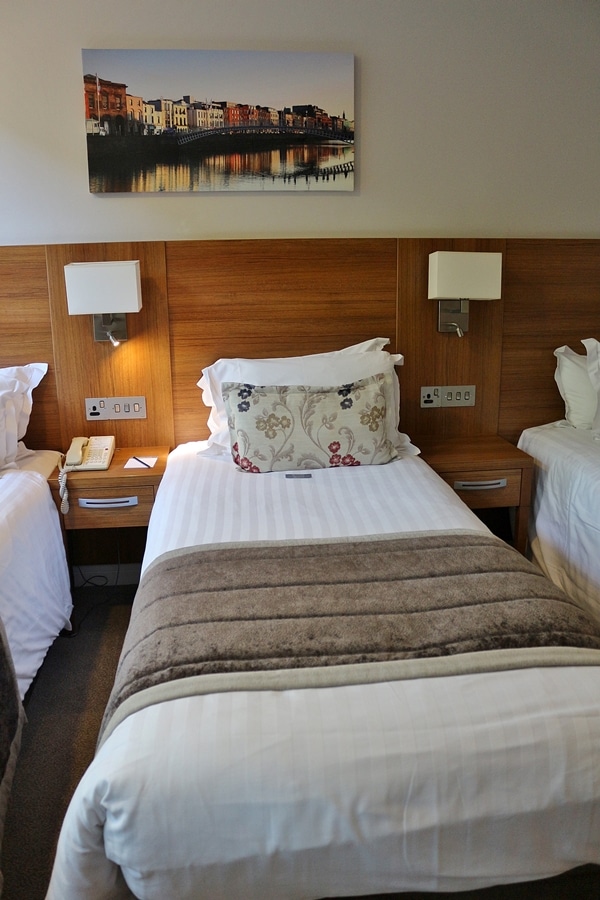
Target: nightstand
486 471
115 497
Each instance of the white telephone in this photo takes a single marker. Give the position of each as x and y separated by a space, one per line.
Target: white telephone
84 454
90 454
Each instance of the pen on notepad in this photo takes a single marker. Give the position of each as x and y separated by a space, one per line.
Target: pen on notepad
137 459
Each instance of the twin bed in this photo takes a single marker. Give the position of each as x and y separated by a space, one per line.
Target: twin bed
35 597
336 682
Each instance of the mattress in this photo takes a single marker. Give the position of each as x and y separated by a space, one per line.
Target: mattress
564 530
438 783
35 595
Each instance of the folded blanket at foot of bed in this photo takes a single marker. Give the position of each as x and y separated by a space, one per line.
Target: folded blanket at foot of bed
296 613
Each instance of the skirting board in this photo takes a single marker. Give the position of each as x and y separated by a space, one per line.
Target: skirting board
100 576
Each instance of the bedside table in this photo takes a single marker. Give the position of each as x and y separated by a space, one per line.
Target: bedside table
486 471
115 497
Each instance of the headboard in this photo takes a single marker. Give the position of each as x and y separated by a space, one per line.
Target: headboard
206 299
26 335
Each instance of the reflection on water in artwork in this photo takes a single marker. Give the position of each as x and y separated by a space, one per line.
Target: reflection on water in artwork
300 167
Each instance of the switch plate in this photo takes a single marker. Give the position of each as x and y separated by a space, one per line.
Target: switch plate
449 395
101 408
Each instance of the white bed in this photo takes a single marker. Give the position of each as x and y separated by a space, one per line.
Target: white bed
35 595
564 528
436 784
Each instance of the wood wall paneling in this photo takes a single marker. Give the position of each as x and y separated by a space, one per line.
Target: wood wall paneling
551 298
26 336
139 366
436 359
271 298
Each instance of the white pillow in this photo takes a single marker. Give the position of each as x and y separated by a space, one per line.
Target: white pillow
337 367
576 388
592 347
16 388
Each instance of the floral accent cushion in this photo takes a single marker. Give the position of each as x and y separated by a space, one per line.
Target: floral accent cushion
284 427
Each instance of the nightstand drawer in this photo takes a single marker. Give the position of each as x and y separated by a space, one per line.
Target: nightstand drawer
481 489
128 505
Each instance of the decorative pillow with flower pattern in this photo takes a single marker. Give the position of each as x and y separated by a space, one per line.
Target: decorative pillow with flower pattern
284 427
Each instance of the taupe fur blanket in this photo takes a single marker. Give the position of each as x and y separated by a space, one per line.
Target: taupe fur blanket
220 611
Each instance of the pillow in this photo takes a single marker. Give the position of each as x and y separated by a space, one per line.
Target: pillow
576 388
337 367
592 347
16 388
285 427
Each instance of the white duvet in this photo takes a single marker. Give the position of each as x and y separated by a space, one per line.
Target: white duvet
433 784
35 594
564 531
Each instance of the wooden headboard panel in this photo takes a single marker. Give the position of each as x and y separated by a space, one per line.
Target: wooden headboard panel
551 297
271 298
26 335
207 299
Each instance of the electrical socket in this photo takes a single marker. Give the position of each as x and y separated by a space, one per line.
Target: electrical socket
430 396
449 395
101 408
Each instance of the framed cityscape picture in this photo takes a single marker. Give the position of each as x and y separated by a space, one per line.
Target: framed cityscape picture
203 120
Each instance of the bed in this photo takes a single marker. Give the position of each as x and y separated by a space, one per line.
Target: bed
35 594
35 598
564 528
261 772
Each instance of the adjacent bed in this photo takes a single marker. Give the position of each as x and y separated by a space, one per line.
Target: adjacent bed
35 595
328 702
565 522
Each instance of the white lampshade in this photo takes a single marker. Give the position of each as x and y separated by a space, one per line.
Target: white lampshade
472 276
103 287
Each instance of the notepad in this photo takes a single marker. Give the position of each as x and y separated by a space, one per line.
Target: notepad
140 462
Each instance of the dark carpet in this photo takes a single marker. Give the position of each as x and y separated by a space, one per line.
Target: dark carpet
64 708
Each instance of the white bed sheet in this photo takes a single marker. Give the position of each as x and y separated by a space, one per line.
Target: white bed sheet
434 784
35 594
564 529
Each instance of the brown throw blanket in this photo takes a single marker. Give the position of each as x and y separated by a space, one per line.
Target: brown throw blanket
294 605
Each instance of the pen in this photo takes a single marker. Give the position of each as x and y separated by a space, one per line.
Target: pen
137 459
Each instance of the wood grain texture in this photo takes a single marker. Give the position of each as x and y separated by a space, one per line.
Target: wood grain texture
271 298
433 358
551 298
139 366
26 335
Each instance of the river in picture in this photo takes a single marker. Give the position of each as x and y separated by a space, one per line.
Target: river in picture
318 166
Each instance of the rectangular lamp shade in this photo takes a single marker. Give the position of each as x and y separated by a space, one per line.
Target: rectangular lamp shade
468 276
103 287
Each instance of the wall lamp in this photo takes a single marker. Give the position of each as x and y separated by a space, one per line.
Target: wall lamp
457 277
107 291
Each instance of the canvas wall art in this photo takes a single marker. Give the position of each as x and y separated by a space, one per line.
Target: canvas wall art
201 120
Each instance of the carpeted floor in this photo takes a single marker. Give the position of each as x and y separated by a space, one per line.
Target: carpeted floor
64 709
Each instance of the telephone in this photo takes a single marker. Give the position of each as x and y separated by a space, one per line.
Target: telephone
90 454
84 454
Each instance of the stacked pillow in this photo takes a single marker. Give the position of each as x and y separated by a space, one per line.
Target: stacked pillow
578 380
16 388
293 410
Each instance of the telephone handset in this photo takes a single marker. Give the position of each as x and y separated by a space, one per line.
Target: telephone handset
90 454
84 454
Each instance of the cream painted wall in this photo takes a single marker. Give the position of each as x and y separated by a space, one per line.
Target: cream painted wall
475 118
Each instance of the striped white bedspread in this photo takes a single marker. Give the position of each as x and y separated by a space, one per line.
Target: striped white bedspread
35 593
443 783
564 529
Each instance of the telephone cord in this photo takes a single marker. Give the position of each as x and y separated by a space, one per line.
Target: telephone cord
63 491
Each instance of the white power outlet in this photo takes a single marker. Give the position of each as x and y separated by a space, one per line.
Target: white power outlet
101 408
430 396
449 395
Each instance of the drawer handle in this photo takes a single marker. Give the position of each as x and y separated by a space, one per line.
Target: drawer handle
480 485
111 503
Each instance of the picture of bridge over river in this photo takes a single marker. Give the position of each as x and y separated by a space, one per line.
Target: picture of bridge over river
147 131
